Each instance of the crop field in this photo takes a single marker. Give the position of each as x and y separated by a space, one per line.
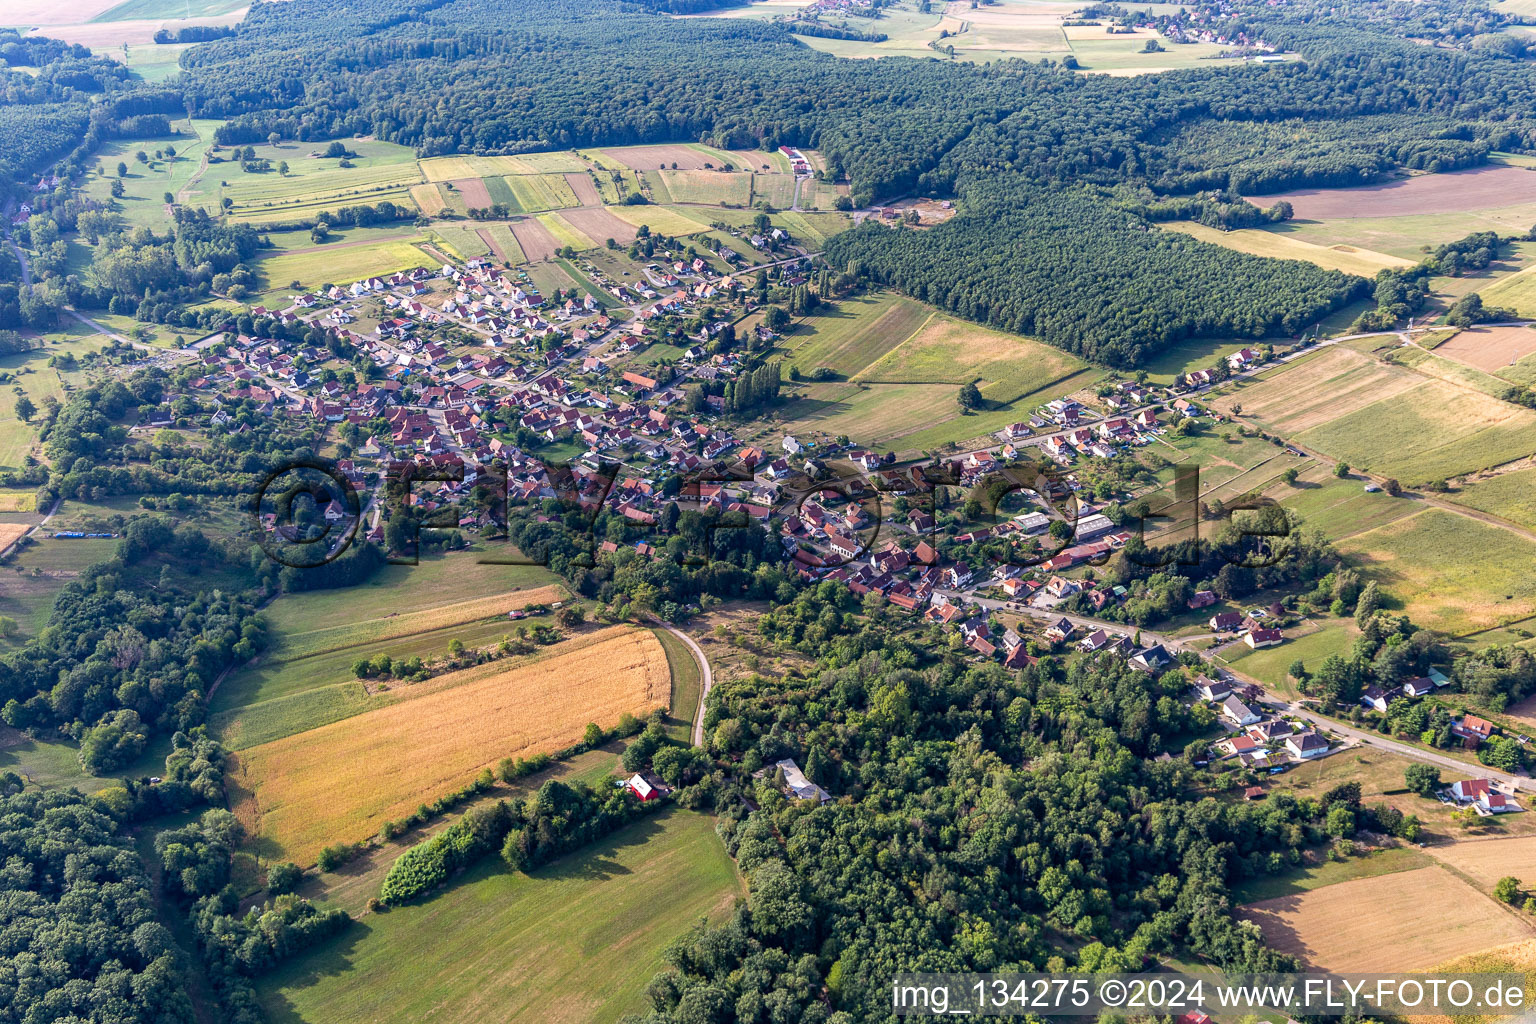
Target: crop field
778 189
503 243
820 195
455 168
855 334
1490 860
1329 872
459 241
131 10
1432 364
536 193
586 192
1393 922
429 199
1276 245
1449 572
713 188
949 351
1510 496
18 501
530 939
293 645
535 239
472 192
342 781
1478 188
880 415
1490 349
339 264
682 157
1317 389
599 224
1433 431
564 232
661 220
10 533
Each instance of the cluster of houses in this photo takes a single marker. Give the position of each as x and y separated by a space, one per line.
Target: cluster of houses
1257 739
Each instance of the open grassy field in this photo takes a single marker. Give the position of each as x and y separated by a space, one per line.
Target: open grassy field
682 157
37 380
1516 292
714 188
1432 364
10 533
381 170
51 765
130 10
1339 508
1258 242
532 942
854 333
341 782
1433 431
1391 922
950 351
144 188
1449 572
879 415
1316 389
1510 496
1487 861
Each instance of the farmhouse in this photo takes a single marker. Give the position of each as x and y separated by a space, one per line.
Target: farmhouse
1257 638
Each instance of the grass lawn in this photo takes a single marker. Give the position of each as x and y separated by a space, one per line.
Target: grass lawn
685 685
1338 507
1270 664
1449 572
577 940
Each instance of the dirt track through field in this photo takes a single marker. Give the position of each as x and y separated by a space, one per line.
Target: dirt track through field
476 196
537 242
586 192
1480 188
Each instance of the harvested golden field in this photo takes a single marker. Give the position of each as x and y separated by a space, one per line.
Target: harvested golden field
1490 349
454 168
429 199
10 533
1320 388
341 782
1486 861
1258 242
1514 958
1410 920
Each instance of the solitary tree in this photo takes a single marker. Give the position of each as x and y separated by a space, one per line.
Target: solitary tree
1289 476
25 410
1423 779
122 169
1507 890
970 396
